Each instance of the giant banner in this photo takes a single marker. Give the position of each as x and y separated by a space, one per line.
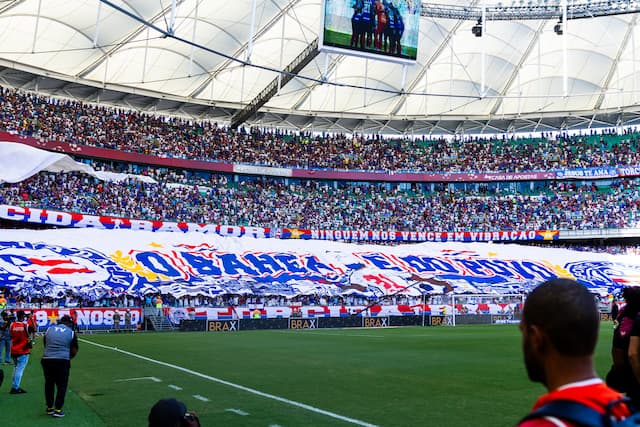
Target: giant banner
94 263
78 220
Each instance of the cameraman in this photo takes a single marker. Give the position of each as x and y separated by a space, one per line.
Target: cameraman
60 345
171 413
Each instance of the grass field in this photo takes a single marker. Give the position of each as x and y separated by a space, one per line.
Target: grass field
343 40
448 376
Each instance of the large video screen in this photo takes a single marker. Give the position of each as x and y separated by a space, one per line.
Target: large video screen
382 29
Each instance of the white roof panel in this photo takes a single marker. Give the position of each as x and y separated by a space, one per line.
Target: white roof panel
521 63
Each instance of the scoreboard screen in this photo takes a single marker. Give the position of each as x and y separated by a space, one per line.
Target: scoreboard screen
379 29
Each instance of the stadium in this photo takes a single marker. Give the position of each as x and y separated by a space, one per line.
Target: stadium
317 213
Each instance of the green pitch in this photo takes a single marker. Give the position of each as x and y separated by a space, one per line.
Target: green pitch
343 40
447 376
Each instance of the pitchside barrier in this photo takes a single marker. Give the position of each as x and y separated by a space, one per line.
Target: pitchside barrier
101 319
234 325
86 318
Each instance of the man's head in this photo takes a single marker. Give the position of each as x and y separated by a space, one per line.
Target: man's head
631 295
66 320
20 315
171 413
560 319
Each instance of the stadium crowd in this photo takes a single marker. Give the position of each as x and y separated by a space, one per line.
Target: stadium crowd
20 301
269 202
124 130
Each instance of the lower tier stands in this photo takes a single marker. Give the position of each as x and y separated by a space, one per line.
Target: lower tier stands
278 203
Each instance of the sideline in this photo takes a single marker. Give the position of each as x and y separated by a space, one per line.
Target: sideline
329 334
237 386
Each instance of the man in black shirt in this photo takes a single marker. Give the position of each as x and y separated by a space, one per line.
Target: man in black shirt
621 376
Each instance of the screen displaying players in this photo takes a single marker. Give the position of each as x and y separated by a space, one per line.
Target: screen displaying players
382 29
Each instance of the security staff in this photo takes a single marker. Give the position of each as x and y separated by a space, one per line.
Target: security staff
20 349
60 346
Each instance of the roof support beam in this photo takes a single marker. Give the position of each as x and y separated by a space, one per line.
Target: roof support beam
10 5
123 41
272 88
329 70
441 47
607 82
238 53
534 41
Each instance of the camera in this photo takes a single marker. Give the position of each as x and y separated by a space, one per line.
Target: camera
190 420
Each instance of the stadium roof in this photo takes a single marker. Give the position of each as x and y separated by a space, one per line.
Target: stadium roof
203 59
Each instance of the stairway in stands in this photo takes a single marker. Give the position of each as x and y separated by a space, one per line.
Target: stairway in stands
155 322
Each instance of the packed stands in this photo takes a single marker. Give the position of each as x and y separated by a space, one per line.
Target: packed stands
270 202
123 130
276 202
182 195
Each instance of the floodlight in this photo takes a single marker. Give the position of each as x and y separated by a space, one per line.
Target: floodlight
477 29
558 28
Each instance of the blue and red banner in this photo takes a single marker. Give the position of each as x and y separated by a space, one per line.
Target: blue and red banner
96 262
78 220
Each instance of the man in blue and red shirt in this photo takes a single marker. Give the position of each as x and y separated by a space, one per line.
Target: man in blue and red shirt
560 325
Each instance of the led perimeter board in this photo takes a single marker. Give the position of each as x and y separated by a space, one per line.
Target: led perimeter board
378 29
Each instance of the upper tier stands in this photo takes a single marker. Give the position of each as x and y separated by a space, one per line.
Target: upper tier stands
124 130
316 204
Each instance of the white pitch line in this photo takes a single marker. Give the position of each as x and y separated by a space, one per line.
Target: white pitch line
154 379
175 387
202 398
238 386
346 335
313 332
237 411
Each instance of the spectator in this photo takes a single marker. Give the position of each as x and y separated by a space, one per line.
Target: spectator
116 321
158 304
634 355
312 205
559 325
103 127
5 338
171 413
621 377
127 320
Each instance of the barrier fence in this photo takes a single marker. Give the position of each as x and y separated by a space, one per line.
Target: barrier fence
235 325
101 319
